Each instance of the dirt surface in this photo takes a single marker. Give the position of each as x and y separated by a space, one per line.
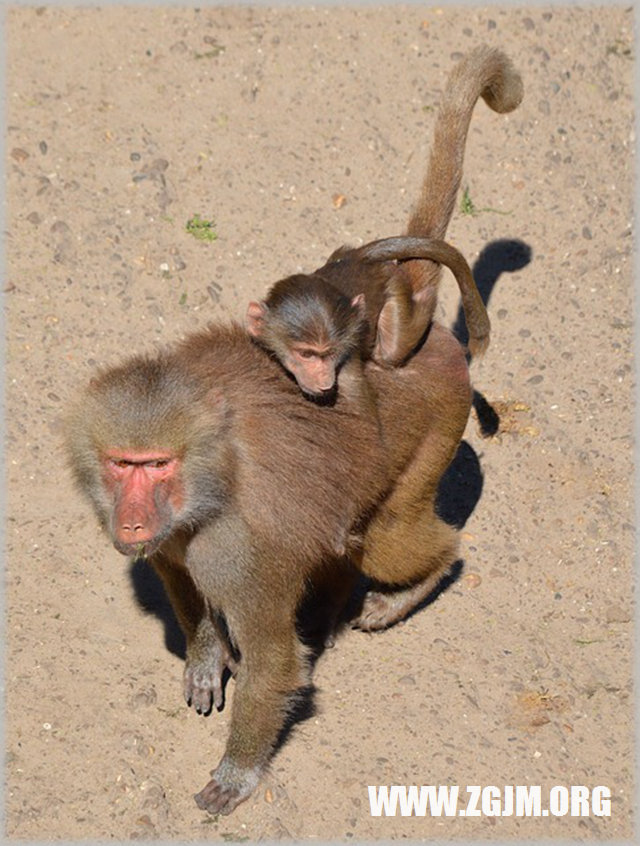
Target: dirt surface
296 131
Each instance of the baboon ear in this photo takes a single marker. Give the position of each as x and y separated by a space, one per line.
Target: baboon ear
359 303
256 313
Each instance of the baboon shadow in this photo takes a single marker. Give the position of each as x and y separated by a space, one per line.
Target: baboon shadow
502 256
152 598
498 257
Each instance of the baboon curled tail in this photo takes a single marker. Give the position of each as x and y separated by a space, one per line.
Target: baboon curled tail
484 72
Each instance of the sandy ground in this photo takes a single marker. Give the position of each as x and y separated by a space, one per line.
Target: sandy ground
122 124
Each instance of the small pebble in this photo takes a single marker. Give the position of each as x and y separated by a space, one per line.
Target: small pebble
472 580
45 185
60 228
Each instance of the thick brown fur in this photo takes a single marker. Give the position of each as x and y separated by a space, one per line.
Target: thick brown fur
266 479
206 460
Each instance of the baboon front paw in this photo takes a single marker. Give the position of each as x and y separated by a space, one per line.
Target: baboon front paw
221 795
218 798
203 680
202 688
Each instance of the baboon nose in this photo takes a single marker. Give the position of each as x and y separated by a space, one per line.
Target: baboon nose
134 533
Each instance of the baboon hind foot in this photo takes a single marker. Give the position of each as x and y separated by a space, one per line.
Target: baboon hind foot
384 607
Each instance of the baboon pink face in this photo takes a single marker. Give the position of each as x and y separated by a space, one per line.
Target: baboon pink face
147 494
